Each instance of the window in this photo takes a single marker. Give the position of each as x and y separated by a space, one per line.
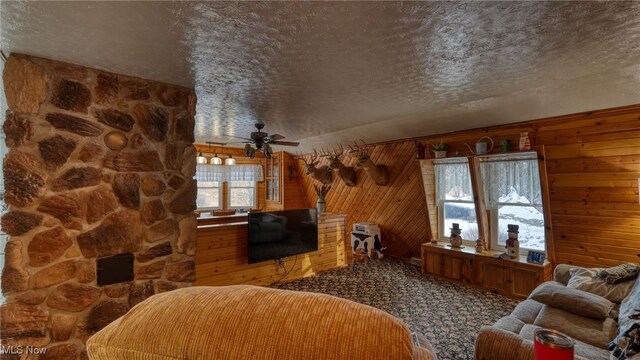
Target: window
513 196
227 186
455 198
209 195
242 194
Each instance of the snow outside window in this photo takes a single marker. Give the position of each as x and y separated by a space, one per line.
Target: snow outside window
242 194
455 198
209 195
513 195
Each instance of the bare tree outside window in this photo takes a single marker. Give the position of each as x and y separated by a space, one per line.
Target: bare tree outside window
209 195
242 194
455 199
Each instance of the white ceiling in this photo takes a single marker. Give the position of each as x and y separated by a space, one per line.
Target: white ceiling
328 73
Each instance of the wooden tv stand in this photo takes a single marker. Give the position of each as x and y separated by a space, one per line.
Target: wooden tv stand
514 278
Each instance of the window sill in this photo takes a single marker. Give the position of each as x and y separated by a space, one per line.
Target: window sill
471 251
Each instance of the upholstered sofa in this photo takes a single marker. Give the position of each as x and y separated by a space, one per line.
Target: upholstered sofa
248 322
511 337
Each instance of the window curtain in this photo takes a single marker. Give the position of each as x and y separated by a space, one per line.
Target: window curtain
453 181
511 179
205 172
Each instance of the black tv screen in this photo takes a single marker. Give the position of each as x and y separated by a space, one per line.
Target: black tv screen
279 234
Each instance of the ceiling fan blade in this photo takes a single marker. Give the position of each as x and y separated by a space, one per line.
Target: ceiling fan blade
240 142
275 137
238 137
285 143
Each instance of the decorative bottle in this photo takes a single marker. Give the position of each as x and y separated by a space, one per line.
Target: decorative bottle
525 143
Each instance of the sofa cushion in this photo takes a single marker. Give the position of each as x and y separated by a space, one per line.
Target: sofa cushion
510 323
596 332
579 302
619 274
629 307
627 343
527 311
579 348
586 280
250 322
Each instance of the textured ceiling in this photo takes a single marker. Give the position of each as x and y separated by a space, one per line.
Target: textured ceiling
325 72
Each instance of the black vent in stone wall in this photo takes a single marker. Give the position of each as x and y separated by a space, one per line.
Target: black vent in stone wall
115 269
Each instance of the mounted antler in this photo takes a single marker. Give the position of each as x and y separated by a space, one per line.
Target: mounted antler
378 173
321 174
346 173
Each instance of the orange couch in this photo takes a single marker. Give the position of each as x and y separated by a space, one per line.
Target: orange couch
248 322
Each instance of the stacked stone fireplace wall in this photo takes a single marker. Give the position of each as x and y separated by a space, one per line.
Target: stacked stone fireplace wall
99 164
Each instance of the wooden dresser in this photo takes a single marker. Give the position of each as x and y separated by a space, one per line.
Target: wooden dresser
514 278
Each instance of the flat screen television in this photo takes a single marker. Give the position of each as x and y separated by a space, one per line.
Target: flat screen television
279 234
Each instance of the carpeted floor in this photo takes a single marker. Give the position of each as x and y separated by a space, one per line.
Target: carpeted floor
449 315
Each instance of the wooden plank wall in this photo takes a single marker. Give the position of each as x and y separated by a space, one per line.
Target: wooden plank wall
399 207
292 192
593 165
221 255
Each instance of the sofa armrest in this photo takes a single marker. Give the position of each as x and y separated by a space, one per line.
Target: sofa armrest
562 273
496 344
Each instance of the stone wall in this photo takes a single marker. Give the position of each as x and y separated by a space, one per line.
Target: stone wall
99 164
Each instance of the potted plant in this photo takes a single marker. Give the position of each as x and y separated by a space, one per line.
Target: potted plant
440 150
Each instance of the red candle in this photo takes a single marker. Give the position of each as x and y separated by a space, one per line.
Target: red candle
552 345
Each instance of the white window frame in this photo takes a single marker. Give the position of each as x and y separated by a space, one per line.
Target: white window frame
255 195
440 203
446 233
494 210
220 198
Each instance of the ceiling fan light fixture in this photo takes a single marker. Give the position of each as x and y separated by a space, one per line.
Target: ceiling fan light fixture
216 160
267 150
201 159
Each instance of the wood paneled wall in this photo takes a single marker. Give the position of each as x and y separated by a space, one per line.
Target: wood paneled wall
292 192
593 165
221 255
399 207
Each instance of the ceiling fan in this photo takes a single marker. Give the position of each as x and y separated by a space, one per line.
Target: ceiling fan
262 142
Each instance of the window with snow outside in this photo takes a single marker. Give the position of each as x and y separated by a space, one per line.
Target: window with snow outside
454 195
513 196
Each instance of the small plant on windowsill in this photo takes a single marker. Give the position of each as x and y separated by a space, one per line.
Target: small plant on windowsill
440 150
